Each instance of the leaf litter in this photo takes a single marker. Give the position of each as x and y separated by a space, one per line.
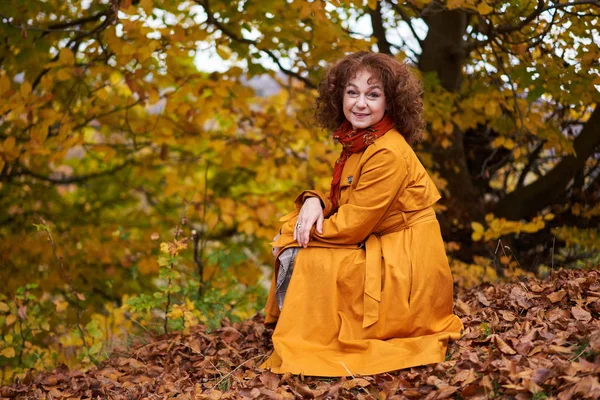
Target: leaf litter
531 339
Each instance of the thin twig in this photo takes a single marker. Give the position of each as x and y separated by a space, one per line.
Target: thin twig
353 378
553 242
236 368
67 279
171 266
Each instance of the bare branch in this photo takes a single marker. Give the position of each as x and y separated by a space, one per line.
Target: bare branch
594 3
492 31
532 158
58 27
406 19
237 38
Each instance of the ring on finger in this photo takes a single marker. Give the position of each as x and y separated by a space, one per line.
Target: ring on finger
298 226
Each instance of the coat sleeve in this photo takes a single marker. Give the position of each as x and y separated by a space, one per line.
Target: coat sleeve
325 202
384 174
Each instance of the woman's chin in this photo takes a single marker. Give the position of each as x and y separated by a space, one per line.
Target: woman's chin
360 124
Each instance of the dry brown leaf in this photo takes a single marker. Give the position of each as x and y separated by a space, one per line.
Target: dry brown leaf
540 375
463 307
352 383
269 379
270 394
445 392
436 381
486 382
580 314
303 390
595 340
229 334
535 288
555 297
588 387
507 315
482 299
531 386
465 377
502 345
520 296
523 348
559 349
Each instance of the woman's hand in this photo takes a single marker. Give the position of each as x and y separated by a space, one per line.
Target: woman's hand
310 213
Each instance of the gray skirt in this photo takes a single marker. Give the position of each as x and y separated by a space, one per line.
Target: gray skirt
286 266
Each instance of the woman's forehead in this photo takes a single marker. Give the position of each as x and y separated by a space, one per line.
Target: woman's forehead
361 74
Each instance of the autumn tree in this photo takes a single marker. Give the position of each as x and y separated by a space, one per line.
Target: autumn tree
114 122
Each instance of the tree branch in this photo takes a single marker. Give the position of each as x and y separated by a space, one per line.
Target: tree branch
240 39
379 30
58 27
406 19
72 179
532 157
548 189
492 31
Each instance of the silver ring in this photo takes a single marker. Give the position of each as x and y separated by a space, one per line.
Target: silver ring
298 225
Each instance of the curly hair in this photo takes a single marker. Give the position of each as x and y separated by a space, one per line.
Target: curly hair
402 89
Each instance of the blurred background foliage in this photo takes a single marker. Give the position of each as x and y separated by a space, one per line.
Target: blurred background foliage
162 139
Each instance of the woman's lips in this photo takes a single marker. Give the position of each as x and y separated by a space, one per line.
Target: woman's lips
360 115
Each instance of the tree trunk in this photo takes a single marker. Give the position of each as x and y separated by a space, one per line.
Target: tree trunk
444 54
378 30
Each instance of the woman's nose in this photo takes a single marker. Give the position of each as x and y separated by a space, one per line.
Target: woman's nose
360 102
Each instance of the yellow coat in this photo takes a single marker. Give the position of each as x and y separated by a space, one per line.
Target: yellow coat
373 292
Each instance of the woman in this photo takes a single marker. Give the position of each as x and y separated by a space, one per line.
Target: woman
371 290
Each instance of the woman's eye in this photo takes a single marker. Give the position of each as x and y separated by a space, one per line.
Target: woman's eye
374 95
351 92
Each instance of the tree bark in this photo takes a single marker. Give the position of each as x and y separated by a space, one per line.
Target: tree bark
444 54
378 30
527 201
444 47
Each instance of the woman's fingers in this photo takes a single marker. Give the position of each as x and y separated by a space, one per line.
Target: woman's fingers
303 232
320 223
310 213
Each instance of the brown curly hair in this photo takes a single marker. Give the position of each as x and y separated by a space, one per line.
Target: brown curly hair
402 91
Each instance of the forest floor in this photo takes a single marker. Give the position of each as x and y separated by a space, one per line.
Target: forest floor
532 339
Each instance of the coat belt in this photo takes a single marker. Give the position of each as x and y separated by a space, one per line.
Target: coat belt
374 262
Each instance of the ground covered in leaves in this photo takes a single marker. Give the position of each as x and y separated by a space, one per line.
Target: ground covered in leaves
531 339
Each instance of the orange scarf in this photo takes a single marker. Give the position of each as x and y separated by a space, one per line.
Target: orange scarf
354 141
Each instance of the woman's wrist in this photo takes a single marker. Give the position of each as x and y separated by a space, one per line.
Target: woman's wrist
313 198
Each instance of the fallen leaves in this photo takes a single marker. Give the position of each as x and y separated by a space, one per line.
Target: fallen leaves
521 340
555 297
502 346
580 314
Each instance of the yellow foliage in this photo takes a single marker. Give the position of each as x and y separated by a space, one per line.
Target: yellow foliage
484 8
468 275
8 352
587 238
10 319
61 305
148 265
4 83
497 227
588 213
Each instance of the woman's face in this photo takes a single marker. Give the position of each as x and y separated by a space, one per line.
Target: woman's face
364 101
